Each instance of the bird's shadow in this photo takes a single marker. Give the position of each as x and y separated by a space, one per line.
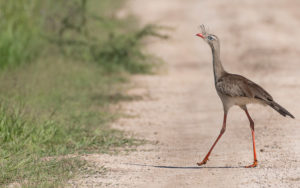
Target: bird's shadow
183 167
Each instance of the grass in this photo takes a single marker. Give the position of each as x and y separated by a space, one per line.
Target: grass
18 33
44 173
53 112
63 64
123 52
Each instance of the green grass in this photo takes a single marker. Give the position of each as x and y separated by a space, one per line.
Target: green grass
123 52
81 29
38 173
63 64
56 108
18 33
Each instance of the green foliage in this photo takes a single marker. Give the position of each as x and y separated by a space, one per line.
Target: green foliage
32 171
30 27
24 143
123 52
19 32
62 65
66 112
18 134
117 46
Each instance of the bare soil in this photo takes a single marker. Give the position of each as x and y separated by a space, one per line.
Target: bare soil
181 112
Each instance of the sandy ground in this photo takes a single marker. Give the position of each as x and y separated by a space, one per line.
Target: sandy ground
181 111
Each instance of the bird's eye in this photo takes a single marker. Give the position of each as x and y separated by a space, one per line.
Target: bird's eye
210 38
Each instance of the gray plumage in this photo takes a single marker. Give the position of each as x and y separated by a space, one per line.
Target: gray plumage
233 85
235 89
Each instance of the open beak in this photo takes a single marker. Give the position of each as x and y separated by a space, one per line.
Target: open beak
200 35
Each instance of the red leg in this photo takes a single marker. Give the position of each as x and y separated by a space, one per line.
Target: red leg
221 133
253 140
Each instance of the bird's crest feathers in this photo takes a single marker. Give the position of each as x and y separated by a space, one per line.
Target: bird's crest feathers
203 30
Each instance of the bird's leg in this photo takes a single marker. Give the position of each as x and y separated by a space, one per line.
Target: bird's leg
253 139
221 133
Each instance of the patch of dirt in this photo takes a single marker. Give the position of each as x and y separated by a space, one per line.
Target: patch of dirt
183 113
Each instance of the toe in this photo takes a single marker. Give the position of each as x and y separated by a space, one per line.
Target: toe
252 166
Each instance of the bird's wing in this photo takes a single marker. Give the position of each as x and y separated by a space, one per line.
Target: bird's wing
238 86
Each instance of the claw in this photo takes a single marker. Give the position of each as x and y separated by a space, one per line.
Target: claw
203 162
253 165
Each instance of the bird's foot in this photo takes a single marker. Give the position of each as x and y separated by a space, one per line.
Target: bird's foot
203 162
253 165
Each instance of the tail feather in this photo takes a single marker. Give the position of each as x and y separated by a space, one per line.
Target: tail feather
280 109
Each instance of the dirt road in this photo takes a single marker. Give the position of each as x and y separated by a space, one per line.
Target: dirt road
181 111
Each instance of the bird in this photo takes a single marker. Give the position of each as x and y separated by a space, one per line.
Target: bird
234 89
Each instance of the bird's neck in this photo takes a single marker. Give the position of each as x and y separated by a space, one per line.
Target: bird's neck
217 65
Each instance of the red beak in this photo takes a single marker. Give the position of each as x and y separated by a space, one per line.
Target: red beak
200 35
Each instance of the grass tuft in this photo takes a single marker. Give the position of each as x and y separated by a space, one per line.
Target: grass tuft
19 33
24 143
123 52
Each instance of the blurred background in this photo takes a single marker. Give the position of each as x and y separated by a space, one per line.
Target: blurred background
65 66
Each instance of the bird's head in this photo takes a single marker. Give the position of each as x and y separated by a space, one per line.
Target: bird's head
211 39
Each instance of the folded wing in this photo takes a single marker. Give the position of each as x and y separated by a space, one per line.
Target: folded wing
238 86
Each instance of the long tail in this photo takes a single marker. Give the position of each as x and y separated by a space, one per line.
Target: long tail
280 109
